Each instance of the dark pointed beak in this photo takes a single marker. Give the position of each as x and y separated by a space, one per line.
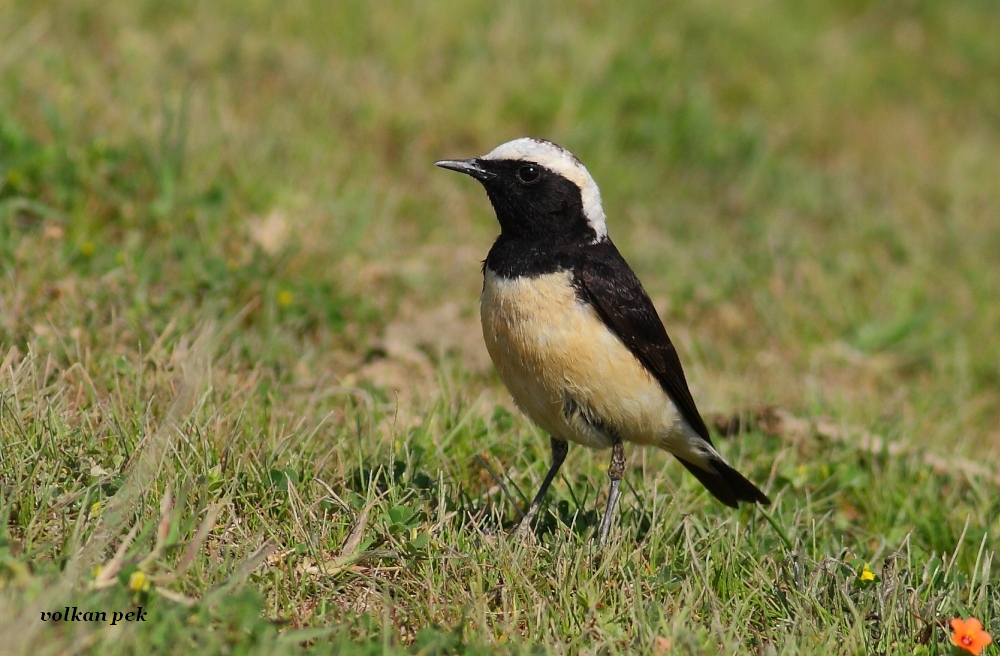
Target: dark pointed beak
467 166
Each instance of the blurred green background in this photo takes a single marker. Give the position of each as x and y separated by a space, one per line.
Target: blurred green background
807 190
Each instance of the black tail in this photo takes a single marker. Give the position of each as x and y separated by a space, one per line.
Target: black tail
726 484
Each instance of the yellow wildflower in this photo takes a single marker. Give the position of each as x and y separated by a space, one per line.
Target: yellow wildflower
138 581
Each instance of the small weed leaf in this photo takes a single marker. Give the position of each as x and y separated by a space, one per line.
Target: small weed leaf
281 478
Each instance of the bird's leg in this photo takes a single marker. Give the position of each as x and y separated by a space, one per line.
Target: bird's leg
615 472
559 450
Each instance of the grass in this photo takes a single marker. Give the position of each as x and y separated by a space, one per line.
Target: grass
241 382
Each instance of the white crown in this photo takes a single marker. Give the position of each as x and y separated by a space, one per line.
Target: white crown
562 162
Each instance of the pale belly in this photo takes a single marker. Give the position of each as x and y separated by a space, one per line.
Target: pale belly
555 355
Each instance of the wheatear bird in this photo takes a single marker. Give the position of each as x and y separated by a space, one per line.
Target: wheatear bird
572 332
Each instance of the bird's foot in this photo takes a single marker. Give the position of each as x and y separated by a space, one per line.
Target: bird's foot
615 472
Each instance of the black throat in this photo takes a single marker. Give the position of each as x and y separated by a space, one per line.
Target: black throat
543 226
513 257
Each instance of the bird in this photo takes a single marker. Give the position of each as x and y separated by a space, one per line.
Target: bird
572 332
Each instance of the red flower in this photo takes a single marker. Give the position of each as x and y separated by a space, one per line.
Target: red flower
969 635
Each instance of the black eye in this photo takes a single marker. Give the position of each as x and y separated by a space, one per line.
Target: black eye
528 174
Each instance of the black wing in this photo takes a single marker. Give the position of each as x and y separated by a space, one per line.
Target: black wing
609 284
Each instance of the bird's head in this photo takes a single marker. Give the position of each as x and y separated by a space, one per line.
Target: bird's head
539 190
